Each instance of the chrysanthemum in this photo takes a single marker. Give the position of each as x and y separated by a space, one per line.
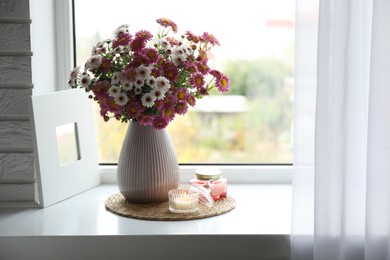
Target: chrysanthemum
122 39
151 82
163 83
165 22
74 73
209 38
114 91
182 94
197 80
191 100
151 54
139 83
203 68
181 108
130 73
137 90
160 123
84 80
105 65
127 86
143 72
93 62
158 94
148 100
133 109
124 28
170 71
144 34
115 78
137 44
223 83
121 99
191 37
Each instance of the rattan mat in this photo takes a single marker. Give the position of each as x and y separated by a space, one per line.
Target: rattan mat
159 211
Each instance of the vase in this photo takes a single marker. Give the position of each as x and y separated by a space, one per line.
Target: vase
147 166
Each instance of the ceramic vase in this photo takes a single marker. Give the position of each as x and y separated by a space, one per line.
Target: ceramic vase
147 166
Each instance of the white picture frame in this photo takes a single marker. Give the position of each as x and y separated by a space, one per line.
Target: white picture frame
57 182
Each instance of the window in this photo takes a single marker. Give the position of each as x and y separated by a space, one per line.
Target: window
253 123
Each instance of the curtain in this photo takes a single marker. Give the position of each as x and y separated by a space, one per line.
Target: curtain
341 191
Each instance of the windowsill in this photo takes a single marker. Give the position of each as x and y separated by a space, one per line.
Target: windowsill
262 215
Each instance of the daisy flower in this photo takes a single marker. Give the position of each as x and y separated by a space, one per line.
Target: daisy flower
127 86
165 22
223 83
158 94
197 80
181 108
163 83
143 72
84 80
160 123
121 99
115 78
148 100
146 35
93 62
114 91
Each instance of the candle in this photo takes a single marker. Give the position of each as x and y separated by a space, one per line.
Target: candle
182 200
185 202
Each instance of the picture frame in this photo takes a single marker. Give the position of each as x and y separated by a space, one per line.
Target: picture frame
66 113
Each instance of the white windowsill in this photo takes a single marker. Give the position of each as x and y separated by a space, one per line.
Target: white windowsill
259 226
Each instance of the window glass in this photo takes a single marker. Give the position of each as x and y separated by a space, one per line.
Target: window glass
252 123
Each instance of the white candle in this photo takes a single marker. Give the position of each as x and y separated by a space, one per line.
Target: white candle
185 202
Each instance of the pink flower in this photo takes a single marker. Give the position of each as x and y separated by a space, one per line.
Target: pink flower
191 37
151 55
105 65
203 68
209 38
137 44
197 80
223 83
146 35
122 39
165 22
181 108
160 123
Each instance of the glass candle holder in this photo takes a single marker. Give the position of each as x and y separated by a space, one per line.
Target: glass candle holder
210 178
183 200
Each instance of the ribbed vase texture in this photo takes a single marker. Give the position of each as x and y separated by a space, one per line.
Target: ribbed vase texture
147 166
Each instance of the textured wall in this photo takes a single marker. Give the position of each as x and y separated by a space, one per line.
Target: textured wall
17 179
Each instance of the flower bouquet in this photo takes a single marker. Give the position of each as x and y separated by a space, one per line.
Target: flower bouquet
149 78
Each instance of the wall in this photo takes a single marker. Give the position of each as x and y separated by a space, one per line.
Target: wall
27 66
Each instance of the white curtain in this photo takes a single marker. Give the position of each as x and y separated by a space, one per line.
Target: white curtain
341 183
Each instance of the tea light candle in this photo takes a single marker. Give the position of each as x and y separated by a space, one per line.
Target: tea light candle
182 200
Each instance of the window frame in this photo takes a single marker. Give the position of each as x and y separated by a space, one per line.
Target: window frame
235 173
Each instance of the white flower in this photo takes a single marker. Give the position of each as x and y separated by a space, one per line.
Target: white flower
124 28
93 62
158 94
163 84
118 50
151 81
148 100
74 73
84 80
121 99
115 78
137 90
139 83
127 86
143 72
114 91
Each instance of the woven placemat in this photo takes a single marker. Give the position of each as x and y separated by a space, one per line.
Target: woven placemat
159 211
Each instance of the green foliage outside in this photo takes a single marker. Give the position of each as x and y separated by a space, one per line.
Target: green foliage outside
260 135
